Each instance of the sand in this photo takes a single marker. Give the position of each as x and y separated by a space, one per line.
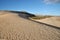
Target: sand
52 21
14 27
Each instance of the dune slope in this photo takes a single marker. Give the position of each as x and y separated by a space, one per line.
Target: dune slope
13 27
52 21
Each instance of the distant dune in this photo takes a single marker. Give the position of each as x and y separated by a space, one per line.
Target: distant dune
52 21
14 27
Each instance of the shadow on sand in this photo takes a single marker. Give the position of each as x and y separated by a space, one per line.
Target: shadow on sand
47 24
22 14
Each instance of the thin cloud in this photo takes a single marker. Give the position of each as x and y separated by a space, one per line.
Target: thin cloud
51 1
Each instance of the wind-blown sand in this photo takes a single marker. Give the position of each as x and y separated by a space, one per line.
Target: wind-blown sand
13 27
52 21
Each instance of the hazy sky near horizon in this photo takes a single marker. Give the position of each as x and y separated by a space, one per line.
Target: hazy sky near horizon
48 7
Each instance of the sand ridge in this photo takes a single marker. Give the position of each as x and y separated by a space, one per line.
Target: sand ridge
52 21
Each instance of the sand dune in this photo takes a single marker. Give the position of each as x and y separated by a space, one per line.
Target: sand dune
14 27
52 21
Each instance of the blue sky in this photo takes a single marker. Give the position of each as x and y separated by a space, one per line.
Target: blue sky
42 7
